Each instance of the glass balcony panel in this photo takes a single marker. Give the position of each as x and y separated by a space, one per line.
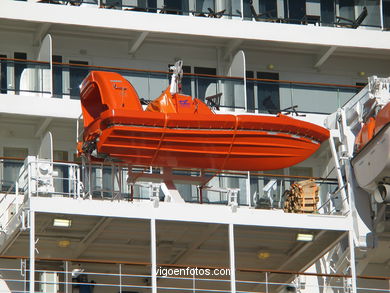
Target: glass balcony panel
386 14
373 18
314 99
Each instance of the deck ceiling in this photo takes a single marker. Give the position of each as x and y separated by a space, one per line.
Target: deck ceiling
183 243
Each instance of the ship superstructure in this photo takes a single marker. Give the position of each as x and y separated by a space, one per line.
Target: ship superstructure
107 227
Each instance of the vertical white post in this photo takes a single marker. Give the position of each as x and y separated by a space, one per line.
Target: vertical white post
242 10
120 278
248 189
381 14
153 254
352 262
66 277
232 259
32 250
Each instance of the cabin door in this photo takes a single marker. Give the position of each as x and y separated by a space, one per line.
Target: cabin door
386 14
3 75
205 85
268 99
57 77
296 10
19 67
327 12
76 76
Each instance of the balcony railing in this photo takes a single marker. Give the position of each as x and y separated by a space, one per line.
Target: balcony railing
26 77
369 15
109 182
66 275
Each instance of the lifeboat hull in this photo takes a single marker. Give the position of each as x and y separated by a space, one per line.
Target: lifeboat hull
372 163
218 142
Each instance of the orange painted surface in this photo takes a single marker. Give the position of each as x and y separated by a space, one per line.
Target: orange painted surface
178 131
372 127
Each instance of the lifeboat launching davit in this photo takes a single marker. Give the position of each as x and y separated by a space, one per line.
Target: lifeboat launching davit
176 130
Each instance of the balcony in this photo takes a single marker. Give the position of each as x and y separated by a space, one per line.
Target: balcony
119 182
33 78
347 14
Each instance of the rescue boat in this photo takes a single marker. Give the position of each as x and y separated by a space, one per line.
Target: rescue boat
176 130
371 161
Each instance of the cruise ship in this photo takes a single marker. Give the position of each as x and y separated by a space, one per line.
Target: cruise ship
71 224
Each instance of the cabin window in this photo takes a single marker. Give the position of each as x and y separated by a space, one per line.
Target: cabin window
386 14
268 7
347 9
327 12
205 85
11 167
57 77
3 75
19 67
61 182
176 6
76 76
202 6
250 92
268 99
116 4
296 10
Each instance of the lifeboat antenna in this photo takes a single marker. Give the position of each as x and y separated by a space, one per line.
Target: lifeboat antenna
177 75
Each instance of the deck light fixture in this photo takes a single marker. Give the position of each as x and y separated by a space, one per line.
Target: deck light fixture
305 237
62 223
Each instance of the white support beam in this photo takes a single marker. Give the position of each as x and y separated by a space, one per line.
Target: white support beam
40 33
321 59
31 216
153 248
42 127
134 46
231 46
352 259
232 258
91 236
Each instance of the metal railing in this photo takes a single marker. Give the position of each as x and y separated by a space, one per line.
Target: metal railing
64 275
111 182
233 9
26 77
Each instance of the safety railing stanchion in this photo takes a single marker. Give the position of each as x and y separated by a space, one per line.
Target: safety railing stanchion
120 278
66 276
266 282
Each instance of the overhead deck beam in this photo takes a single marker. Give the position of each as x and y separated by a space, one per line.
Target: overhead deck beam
136 44
321 59
42 127
91 236
40 33
231 47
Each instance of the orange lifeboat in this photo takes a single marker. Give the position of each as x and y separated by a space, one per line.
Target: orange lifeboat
176 130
